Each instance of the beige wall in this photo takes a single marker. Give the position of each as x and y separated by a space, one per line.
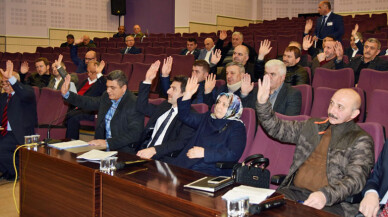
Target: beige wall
56 37
223 23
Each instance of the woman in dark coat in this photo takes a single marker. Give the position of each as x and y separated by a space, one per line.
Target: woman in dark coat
220 136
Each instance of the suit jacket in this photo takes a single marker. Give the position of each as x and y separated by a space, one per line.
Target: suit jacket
225 50
315 64
334 26
202 54
133 50
349 51
126 124
295 74
247 102
177 134
289 101
378 180
195 53
81 66
21 111
74 79
354 63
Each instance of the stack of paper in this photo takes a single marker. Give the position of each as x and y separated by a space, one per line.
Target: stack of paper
96 155
70 144
256 195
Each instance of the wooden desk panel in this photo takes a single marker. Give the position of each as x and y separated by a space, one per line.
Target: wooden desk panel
52 183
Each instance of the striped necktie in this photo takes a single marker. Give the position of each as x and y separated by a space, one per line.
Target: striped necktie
4 120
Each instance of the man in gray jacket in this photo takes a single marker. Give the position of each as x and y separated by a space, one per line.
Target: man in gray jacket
332 158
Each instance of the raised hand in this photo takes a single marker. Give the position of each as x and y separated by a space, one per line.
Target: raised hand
339 51
354 31
246 84
152 71
264 90
8 71
57 62
216 56
100 67
321 57
24 67
210 83
66 85
191 87
307 42
308 26
223 34
167 65
79 41
265 48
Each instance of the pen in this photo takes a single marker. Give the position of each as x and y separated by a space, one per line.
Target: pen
135 171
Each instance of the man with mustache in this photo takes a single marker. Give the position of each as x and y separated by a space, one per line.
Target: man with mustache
332 158
369 60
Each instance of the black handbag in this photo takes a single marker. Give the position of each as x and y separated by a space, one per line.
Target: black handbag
252 171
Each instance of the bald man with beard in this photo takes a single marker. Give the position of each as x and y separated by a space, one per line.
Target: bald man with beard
333 157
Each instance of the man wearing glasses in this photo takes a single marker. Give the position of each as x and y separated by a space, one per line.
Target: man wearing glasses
81 64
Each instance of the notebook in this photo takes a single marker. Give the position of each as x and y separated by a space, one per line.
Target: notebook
204 185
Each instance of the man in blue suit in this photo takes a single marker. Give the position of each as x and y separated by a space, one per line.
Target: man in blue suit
329 24
130 49
376 188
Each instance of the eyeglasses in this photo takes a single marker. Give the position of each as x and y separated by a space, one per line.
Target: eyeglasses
89 59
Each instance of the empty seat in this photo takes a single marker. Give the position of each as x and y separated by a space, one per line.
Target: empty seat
99 50
112 58
307 98
372 79
125 67
82 77
61 50
340 78
376 131
377 108
30 56
12 56
179 44
138 74
161 44
283 41
173 50
70 66
113 50
153 50
44 49
151 58
182 65
133 58
249 118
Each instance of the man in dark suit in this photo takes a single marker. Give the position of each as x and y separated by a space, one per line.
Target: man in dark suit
369 60
206 53
118 124
328 24
130 49
17 118
41 77
69 41
159 140
376 188
94 86
120 33
81 63
227 51
191 48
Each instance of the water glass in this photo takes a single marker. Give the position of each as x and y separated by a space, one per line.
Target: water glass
238 207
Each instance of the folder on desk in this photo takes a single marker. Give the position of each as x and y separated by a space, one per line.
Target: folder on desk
204 185
69 144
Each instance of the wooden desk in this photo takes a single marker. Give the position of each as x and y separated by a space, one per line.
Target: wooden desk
52 183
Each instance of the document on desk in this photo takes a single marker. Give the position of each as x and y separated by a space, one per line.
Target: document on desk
256 195
69 144
96 155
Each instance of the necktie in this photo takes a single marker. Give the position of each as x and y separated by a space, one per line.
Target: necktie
323 23
127 50
161 128
384 213
4 120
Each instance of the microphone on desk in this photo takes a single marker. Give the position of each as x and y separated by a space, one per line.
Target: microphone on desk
256 209
121 165
48 139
